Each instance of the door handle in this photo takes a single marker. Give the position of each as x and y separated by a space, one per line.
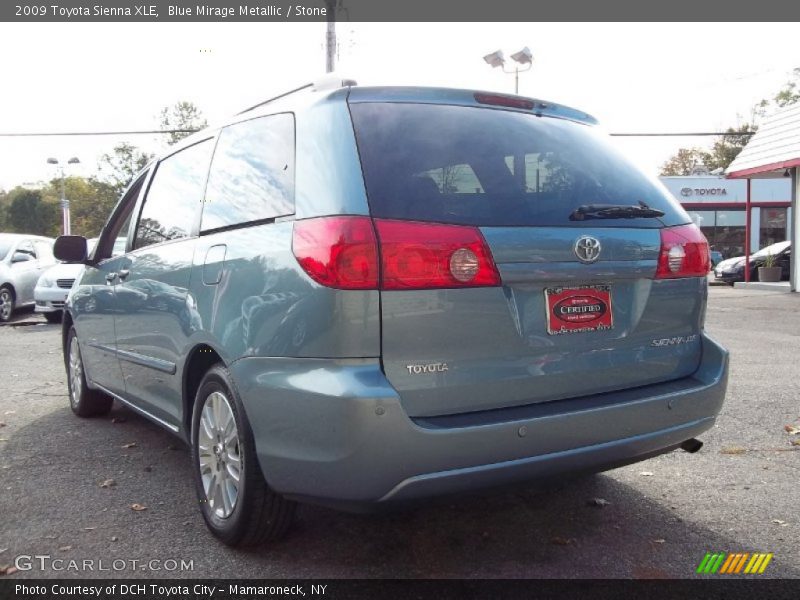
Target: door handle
123 274
110 278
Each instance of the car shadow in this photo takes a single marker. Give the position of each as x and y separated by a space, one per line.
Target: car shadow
71 483
24 316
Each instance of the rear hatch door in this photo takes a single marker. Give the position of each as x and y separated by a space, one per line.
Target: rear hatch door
576 311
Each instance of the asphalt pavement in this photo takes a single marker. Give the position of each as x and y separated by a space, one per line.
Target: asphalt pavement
649 520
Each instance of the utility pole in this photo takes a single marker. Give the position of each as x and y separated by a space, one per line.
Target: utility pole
330 36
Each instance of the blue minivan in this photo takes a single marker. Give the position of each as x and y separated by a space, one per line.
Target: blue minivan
358 296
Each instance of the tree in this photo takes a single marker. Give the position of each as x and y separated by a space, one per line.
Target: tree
788 94
722 153
92 215
182 115
3 208
28 212
684 161
450 177
90 200
120 167
726 148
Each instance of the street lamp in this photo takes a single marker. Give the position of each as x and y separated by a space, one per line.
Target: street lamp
64 202
523 57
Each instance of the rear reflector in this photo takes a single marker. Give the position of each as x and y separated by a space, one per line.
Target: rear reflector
342 252
684 253
429 255
338 252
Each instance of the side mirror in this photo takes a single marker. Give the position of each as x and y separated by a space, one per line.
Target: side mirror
20 257
70 248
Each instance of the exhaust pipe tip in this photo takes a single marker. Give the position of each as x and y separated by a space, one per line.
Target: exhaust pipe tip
691 446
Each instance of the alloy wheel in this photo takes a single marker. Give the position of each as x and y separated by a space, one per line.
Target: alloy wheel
75 371
6 303
219 455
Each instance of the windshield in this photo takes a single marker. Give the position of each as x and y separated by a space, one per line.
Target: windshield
773 249
483 166
5 246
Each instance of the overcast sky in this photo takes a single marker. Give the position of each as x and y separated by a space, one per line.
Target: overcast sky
633 77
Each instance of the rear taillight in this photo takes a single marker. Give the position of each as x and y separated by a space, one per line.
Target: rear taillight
430 255
684 253
338 252
342 252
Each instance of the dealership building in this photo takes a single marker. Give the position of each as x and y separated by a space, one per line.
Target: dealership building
773 154
717 206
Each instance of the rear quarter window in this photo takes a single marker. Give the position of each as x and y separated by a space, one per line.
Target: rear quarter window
489 167
252 173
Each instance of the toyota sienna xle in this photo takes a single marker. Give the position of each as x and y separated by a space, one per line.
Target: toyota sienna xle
361 296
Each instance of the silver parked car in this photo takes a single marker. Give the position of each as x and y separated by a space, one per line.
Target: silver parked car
23 258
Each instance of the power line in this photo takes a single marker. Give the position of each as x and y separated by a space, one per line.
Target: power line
693 134
167 131
88 133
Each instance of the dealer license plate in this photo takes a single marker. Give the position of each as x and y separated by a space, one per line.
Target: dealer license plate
578 309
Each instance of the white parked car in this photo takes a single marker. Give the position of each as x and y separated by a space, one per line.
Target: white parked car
53 288
54 284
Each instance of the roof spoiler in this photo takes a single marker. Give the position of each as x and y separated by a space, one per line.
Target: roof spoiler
331 81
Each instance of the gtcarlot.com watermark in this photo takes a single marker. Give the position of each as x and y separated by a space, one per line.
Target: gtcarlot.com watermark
45 562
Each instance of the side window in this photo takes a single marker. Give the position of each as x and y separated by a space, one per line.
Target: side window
174 195
537 172
121 239
114 236
25 247
454 179
252 174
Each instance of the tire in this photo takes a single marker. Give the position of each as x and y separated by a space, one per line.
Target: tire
6 303
84 402
53 317
246 512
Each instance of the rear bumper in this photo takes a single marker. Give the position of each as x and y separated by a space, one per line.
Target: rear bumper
335 432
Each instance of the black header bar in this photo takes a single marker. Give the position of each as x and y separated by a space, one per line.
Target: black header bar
397 11
357 589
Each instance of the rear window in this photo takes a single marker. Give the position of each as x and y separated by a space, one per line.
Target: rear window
488 167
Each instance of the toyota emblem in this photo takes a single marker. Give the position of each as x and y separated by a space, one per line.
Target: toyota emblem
587 249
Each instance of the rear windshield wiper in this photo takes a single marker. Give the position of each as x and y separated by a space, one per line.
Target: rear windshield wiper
614 211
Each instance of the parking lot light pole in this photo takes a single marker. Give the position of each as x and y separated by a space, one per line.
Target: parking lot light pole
65 217
330 36
523 57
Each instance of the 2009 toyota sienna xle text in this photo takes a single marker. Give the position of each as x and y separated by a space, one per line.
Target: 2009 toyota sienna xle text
357 296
